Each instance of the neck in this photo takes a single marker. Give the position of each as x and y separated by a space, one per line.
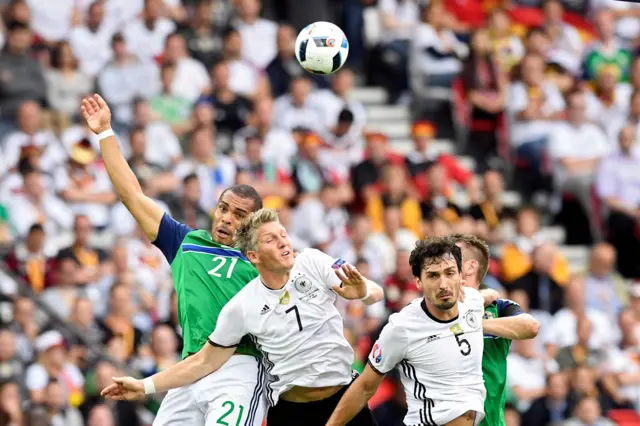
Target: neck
273 280
471 282
440 314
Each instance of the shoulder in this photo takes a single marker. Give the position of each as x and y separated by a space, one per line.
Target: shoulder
472 295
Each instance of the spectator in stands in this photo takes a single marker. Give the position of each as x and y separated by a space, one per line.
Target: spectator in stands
576 163
32 260
186 209
163 351
394 237
492 212
118 322
59 413
604 288
332 101
631 118
258 34
91 42
580 353
624 365
245 79
52 364
11 366
61 296
91 260
553 407
588 411
585 382
526 373
400 288
35 206
190 78
436 52
145 37
508 48
11 409
25 327
166 150
171 107
125 79
31 132
284 67
566 44
485 89
96 410
356 244
265 176
66 84
563 330
606 50
309 176
24 79
439 201
395 191
279 145
232 109
615 184
533 106
344 144
203 39
296 109
158 181
215 174
83 318
610 100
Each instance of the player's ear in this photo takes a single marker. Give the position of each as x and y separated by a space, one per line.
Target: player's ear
253 257
418 283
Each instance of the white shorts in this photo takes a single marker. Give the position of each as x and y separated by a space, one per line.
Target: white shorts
440 412
232 396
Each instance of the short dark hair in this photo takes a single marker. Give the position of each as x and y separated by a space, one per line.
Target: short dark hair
188 178
479 251
433 248
25 168
247 192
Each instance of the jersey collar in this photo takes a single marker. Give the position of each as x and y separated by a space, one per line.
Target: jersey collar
423 305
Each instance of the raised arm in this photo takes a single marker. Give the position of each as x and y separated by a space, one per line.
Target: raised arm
145 211
207 360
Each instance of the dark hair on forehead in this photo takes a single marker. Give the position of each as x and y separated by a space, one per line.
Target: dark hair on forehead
247 192
433 249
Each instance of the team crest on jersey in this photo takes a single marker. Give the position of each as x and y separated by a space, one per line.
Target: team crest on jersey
376 353
285 298
487 315
303 284
472 321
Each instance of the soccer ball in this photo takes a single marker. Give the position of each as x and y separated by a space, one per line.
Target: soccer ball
322 48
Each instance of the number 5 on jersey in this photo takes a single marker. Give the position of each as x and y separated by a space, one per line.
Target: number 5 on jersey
220 263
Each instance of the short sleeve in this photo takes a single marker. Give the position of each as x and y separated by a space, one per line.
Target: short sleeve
389 349
324 266
170 236
508 308
473 297
230 327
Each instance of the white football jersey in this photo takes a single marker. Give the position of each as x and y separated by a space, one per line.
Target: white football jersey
297 328
440 362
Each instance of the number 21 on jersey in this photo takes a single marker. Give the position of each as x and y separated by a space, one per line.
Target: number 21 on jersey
220 262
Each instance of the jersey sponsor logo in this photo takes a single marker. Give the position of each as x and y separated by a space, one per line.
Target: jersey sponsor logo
285 298
376 353
265 309
338 263
472 321
456 329
303 284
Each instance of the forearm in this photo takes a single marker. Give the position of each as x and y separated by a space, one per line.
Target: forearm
183 373
124 181
350 404
375 292
519 327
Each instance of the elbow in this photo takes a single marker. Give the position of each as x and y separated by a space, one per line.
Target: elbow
530 329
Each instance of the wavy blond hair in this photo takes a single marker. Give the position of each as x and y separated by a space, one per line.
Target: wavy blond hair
246 235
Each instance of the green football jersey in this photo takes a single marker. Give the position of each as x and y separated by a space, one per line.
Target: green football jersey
206 275
494 364
595 60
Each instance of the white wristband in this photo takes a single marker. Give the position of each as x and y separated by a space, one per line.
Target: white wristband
105 134
149 387
366 296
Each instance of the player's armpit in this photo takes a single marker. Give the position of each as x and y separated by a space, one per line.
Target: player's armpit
356 397
520 327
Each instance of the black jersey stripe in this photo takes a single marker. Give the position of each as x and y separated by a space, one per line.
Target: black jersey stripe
269 392
419 393
255 398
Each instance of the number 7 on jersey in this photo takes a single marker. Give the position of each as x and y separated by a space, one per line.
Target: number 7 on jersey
294 308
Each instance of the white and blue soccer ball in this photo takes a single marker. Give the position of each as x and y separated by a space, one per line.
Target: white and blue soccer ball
322 48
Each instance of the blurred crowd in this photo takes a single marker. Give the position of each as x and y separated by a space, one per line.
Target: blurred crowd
539 100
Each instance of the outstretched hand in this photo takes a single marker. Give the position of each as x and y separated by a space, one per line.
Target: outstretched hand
124 388
96 113
352 284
